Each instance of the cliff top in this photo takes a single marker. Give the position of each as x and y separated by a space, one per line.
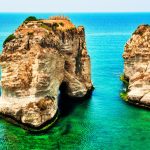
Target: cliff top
63 22
53 23
138 43
41 27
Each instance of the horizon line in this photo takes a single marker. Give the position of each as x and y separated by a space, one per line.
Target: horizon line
77 12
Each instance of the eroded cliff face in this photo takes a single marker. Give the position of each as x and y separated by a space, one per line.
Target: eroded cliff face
137 66
43 55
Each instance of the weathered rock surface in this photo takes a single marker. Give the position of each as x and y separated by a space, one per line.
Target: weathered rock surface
137 66
43 55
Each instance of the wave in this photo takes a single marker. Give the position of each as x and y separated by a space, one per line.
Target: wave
108 33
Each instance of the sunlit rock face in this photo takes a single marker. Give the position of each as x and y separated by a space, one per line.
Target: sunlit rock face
43 55
137 66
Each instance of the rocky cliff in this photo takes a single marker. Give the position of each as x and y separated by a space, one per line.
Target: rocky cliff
137 66
39 58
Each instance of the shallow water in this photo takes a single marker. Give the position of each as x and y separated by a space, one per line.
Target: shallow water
104 121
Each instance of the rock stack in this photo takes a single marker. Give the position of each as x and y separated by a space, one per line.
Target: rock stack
39 58
137 67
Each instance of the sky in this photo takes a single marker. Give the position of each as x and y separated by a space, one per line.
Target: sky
74 5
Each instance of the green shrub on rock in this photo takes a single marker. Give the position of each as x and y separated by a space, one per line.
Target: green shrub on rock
124 96
31 18
9 38
45 26
62 24
124 80
124 93
54 26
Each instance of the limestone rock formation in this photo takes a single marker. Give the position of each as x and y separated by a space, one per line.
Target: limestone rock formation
137 66
36 60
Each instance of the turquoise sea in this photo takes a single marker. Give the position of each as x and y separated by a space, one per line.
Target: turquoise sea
103 122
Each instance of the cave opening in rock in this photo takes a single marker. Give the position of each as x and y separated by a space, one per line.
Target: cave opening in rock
66 104
63 102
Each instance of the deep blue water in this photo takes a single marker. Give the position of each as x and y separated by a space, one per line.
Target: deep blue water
104 122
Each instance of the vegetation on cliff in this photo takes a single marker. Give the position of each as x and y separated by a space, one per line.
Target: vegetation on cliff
30 18
61 23
125 81
124 96
43 25
50 27
8 39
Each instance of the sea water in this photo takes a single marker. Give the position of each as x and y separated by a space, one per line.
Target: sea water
104 121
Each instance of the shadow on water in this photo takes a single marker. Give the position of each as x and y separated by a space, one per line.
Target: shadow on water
67 104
